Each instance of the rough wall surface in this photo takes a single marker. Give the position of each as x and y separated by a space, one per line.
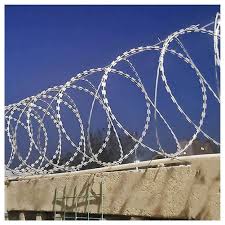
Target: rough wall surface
188 188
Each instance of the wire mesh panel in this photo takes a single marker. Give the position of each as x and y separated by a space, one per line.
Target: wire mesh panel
74 213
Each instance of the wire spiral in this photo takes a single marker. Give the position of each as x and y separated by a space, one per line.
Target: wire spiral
30 114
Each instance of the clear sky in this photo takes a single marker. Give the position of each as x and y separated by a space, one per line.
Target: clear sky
47 45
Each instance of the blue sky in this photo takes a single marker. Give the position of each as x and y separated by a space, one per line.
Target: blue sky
47 45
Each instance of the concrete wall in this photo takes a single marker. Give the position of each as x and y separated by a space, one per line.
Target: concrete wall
188 188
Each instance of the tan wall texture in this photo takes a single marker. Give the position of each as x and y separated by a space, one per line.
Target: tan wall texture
188 188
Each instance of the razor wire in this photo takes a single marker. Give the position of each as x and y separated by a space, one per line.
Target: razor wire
49 103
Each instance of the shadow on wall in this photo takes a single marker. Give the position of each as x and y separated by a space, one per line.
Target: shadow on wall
80 199
198 191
